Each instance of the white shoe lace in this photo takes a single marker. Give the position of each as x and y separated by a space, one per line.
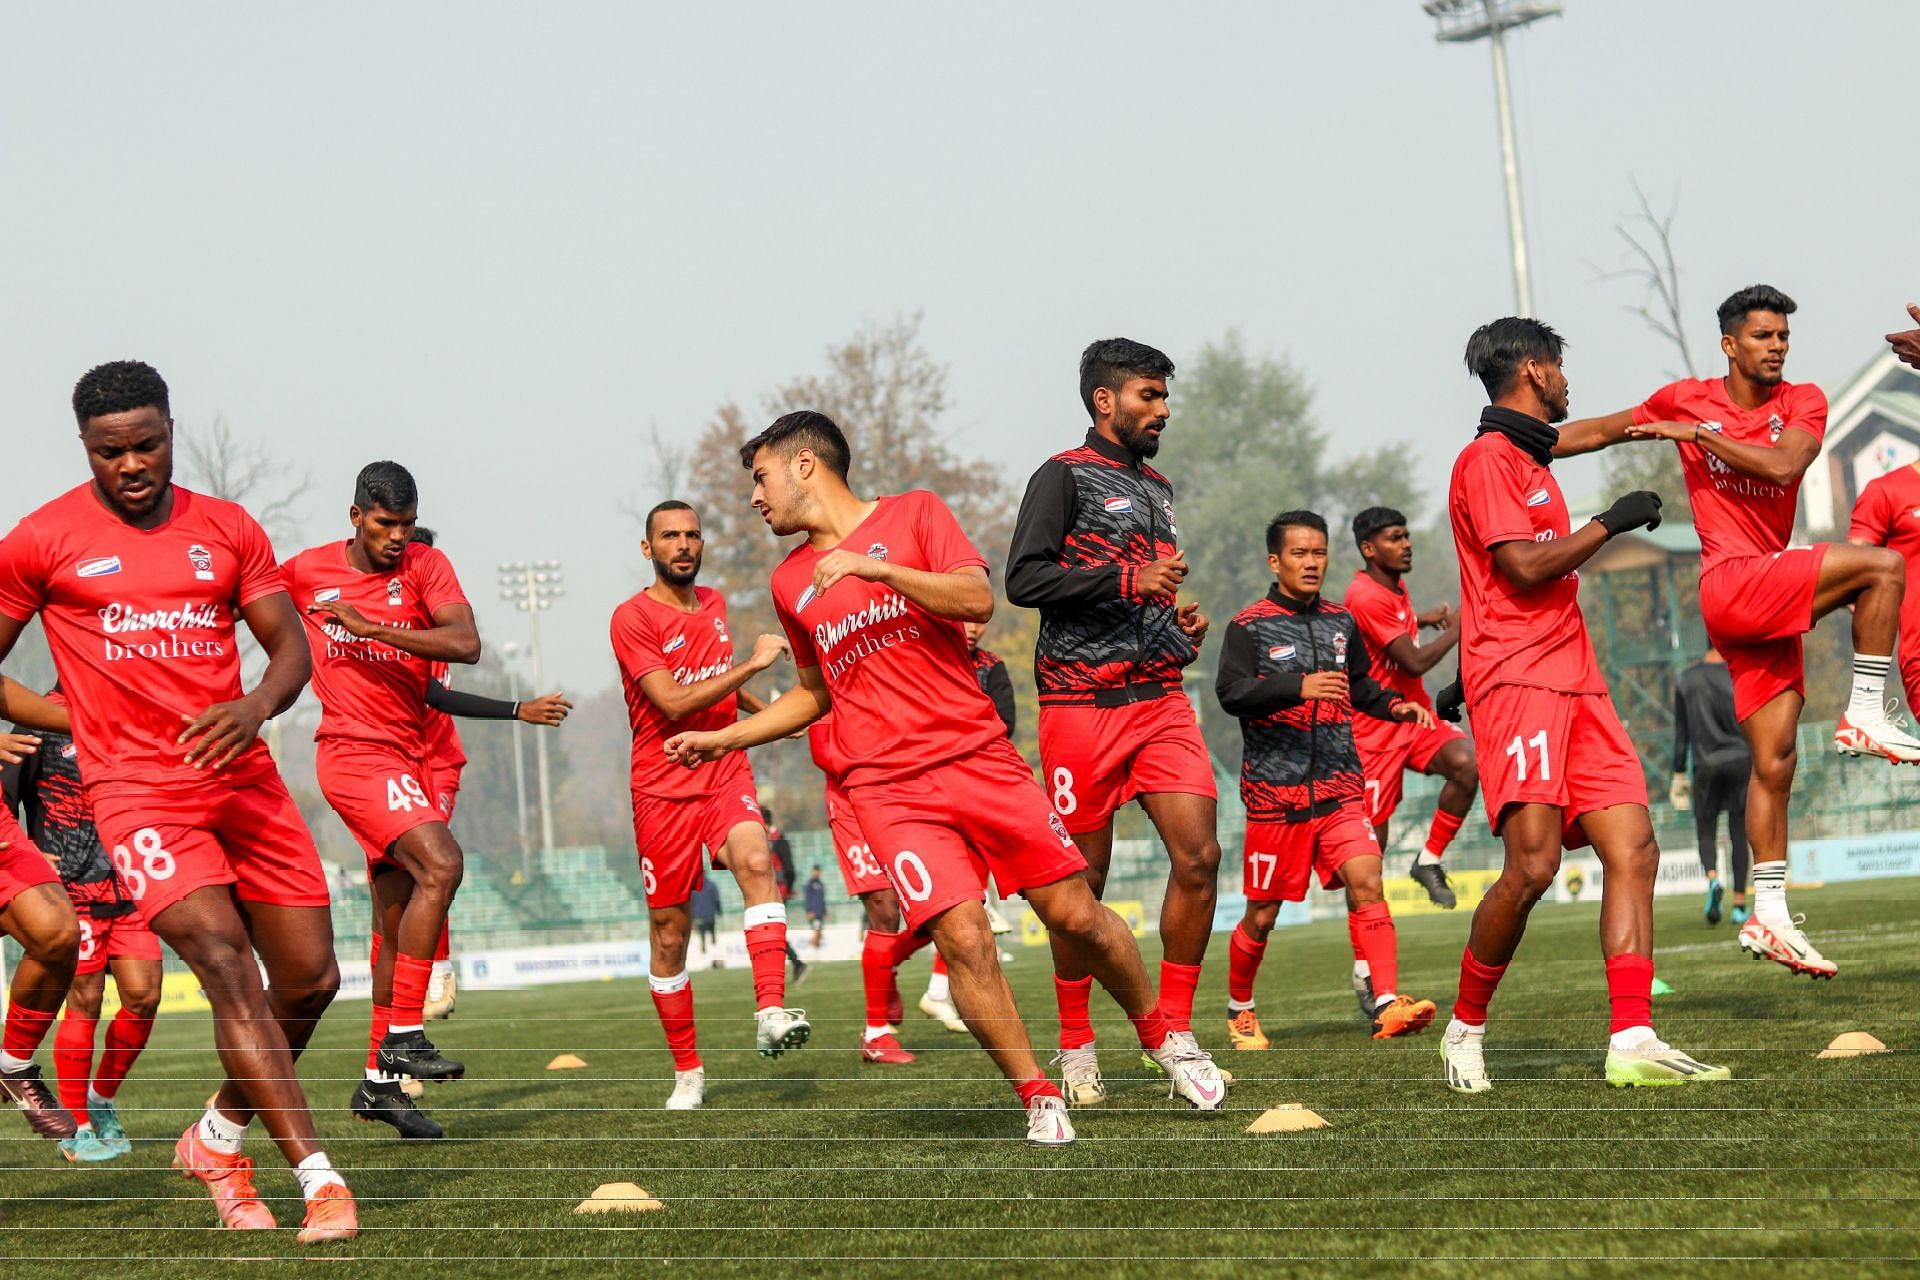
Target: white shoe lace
1466 1053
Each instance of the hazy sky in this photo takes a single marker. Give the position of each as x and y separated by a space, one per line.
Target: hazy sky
494 242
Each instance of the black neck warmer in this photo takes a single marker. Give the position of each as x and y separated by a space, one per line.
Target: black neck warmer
1534 437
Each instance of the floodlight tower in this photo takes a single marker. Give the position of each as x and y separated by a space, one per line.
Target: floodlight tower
1463 21
531 586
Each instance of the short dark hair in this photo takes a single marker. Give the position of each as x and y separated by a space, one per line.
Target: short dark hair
1496 351
424 535
671 504
1372 521
1278 526
807 429
118 386
1111 361
386 485
1755 297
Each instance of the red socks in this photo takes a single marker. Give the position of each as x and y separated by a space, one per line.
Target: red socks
1076 1020
73 1061
1243 963
906 942
410 977
676 1017
767 950
445 950
1630 991
1038 1087
382 1019
1445 827
25 1029
877 959
1371 929
1177 983
1152 1027
1477 983
126 1037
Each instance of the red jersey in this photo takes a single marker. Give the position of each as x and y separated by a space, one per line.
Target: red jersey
1737 515
1534 637
441 737
904 694
820 745
1385 614
370 691
1888 515
650 636
141 624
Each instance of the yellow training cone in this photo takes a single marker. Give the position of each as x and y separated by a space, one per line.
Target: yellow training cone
567 1062
1289 1117
1853 1044
618 1197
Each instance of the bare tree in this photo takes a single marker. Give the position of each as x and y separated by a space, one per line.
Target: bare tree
246 473
1649 238
669 466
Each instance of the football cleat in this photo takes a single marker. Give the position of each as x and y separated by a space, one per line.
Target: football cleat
1432 877
85 1146
331 1215
1080 1077
1715 891
1655 1063
800 970
387 1103
1461 1049
1190 1072
228 1179
1402 1016
1243 1030
1881 737
1786 945
884 1049
689 1090
780 1030
1363 992
943 1012
441 990
45 1116
1047 1123
106 1125
410 1053
1741 913
1154 1065
997 922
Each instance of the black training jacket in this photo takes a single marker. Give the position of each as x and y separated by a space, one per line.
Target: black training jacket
1703 720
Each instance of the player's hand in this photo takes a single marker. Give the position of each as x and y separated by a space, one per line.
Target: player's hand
549 710
351 620
835 565
768 650
695 748
1680 792
217 736
1684 432
1323 684
1161 578
1907 345
1633 510
1436 619
16 747
1413 713
1450 700
1192 623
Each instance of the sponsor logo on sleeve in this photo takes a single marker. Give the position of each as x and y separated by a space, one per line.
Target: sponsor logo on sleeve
1539 498
202 561
806 598
878 551
1118 505
326 595
1281 653
678 642
99 567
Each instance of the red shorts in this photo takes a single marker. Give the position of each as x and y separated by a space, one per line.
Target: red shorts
1095 759
858 867
378 792
104 938
1387 750
246 833
670 832
1541 746
22 865
1279 855
1756 609
939 833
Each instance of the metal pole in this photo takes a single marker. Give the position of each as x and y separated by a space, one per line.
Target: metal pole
1510 166
540 740
520 779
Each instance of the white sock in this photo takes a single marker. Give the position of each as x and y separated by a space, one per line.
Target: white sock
397 1030
1457 1027
443 968
221 1134
1361 969
874 1033
1428 858
315 1172
1770 892
1868 701
95 1097
1640 1038
937 987
1238 1006
10 1063
1382 1000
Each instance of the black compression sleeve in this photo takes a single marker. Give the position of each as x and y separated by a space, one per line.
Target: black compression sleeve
469 706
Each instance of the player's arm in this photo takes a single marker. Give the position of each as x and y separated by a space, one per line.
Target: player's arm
1418 659
786 715
1871 523
1586 435
676 701
1783 462
1369 695
750 702
1242 690
963 595
1527 563
451 638
217 736
1035 576
999 686
23 707
548 710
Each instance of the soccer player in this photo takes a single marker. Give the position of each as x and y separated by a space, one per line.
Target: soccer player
814 898
45 788
872 601
1706 729
1745 440
1294 668
1883 516
1097 551
678 672
1556 766
1391 625
380 609
995 680
139 583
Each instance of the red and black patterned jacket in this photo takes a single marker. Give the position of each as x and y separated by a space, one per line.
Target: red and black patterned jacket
1092 518
1299 760
990 669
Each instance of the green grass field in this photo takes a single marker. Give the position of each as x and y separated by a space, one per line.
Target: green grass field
819 1163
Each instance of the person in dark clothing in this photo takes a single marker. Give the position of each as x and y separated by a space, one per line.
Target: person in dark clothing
991 670
815 897
705 908
1705 728
784 874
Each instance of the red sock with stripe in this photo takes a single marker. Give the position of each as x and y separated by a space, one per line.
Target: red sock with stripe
126 1037
1076 1017
1373 938
766 927
1477 984
73 1062
1243 965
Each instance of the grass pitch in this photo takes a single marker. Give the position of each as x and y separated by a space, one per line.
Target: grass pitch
817 1163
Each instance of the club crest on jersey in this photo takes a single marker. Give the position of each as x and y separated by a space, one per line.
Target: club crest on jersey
1340 650
326 595
1118 505
393 592
99 567
720 628
69 751
878 551
1282 653
1539 498
678 642
1774 427
806 598
1060 829
1166 505
202 561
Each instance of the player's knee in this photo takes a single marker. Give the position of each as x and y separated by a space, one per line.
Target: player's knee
140 1002
1365 891
1199 866
440 872
1258 922
1466 776
1529 881
969 950
883 914
54 941
1774 769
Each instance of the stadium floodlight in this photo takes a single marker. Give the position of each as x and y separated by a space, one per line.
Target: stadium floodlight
531 586
1461 22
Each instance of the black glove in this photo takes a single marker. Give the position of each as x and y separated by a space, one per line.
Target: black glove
1447 705
1641 507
